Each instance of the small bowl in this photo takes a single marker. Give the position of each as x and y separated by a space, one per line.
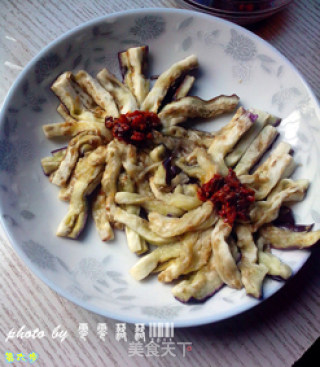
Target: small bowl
238 11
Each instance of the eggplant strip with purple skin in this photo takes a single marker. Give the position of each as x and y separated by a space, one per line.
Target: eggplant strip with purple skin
261 120
256 150
88 173
99 94
124 99
133 64
200 138
252 273
268 174
266 211
184 87
224 261
281 238
212 162
204 280
68 93
227 137
179 111
158 92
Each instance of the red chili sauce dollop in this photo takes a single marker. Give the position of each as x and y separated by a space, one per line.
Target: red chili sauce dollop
134 127
231 198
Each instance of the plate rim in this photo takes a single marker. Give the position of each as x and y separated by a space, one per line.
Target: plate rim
36 271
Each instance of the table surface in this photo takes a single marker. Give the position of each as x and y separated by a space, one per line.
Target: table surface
276 333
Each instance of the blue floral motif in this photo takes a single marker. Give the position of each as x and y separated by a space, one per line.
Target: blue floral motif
32 101
240 47
39 255
45 66
10 126
8 156
241 71
26 214
164 312
148 27
91 269
283 96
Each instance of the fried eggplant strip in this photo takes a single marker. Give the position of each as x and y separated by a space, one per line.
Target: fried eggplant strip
125 100
62 174
149 262
255 150
252 277
228 137
275 267
88 174
184 87
280 238
170 227
268 174
194 255
51 164
205 169
135 242
100 217
140 225
68 93
266 211
233 157
191 107
178 265
201 138
99 94
200 285
133 64
72 128
64 113
252 273
180 201
225 263
156 95
112 171
245 243
129 198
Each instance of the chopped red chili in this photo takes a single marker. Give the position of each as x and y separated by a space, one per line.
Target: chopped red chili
134 127
231 198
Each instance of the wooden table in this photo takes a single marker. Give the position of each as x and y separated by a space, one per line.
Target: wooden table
276 333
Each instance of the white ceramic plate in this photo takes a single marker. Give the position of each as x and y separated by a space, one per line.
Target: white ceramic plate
94 274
